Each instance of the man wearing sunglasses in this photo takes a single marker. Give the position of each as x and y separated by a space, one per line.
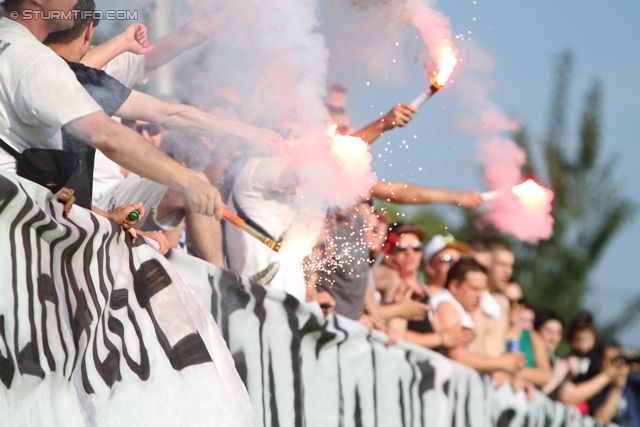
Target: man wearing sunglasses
398 280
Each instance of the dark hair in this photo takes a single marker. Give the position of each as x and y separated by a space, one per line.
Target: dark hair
80 24
544 315
583 321
459 270
479 246
11 5
498 245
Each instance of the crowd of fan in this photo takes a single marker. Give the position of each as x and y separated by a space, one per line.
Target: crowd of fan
363 267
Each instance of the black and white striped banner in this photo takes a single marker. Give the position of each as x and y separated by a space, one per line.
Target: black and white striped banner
95 331
303 371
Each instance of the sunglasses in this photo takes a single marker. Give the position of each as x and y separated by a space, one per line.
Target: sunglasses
518 301
416 245
151 129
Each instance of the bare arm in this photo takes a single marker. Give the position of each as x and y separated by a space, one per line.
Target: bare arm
558 375
399 115
540 375
133 39
132 151
411 194
140 106
406 308
370 305
571 393
609 408
192 34
449 319
432 340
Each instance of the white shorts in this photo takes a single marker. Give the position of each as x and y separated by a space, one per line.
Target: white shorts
134 189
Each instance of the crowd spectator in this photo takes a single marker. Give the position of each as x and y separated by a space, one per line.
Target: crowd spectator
620 401
550 326
491 329
587 378
462 294
537 368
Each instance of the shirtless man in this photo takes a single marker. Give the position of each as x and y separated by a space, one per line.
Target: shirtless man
491 331
466 281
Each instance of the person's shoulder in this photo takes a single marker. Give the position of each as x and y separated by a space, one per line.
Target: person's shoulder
447 310
501 299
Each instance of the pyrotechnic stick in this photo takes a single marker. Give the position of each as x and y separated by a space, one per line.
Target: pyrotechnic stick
491 195
424 96
242 225
133 217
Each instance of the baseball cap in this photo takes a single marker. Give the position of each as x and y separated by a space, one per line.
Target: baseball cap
440 242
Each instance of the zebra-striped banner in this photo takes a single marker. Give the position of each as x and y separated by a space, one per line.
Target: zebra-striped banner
95 331
303 371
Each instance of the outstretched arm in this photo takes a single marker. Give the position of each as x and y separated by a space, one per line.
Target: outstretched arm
130 150
399 115
192 34
140 106
133 39
411 194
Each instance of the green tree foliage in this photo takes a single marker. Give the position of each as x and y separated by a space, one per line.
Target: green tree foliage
588 208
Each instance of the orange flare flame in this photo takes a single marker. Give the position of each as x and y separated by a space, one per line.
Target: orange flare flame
446 63
351 151
530 193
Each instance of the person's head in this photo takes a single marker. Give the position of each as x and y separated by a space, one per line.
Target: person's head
527 317
439 255
79 31
611 351
513 291
501 266
480 252
224 101
375 231
550 326
581 333
63 21
466 281
151 132
404 246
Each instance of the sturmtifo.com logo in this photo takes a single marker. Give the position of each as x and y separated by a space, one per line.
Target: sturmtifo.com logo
108 15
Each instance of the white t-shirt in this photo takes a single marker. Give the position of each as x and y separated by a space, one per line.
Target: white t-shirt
257 193
445 296
128 69
38 93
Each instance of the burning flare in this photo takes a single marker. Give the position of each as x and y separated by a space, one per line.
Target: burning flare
351 151
530 193
445 63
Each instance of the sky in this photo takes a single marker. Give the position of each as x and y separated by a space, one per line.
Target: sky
524 38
